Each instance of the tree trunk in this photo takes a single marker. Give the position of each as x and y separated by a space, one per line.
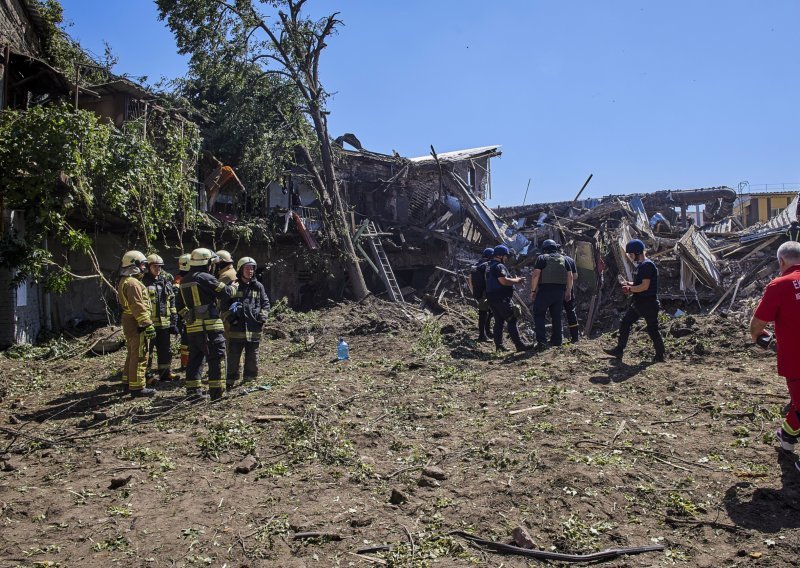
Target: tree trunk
341 229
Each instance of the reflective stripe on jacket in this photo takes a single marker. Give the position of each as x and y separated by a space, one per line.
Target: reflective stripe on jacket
246 324
135 302
162 299
197 301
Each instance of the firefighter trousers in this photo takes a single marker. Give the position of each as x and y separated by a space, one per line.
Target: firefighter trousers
161 345
550 298
136 357
235 349
572 318
208 346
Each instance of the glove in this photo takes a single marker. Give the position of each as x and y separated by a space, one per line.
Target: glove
149 331
235 307
626 290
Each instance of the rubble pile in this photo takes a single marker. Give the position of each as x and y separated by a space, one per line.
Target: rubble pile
719 267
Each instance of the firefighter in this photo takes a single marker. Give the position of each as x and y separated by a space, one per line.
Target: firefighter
245 313
197 302
551 286
162 314
136 323
226 273
183 270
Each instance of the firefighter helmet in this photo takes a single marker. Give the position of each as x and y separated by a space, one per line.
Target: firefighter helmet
155 259
245 260
225 256
202 257
183 262
132 258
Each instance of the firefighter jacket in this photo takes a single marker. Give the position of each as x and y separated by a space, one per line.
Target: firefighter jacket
246 323
162 300
227 275
197 301
135 301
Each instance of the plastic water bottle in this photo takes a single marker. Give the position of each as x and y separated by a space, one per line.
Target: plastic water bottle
343 350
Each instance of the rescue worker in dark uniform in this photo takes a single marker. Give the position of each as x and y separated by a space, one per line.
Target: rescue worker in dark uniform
197 303
136 324
793 233
551 286
245 314
644 303
183 270
478 286
570 305
500 293
162 314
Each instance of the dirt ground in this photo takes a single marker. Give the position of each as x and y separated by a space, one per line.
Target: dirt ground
602 455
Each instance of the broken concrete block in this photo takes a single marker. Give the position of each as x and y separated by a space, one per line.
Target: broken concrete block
428 482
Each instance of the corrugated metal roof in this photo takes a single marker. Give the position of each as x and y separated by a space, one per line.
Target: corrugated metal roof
459 155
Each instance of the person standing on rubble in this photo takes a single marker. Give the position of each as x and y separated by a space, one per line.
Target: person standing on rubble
136 323
781 304
183 270
551 286
644 303
245 313
162 314
793 233
500 293
570 304
197 302
478 286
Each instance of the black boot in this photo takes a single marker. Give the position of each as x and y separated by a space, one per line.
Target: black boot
216 394
143 393
616 352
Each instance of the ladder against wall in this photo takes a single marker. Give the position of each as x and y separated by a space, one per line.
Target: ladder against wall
368 232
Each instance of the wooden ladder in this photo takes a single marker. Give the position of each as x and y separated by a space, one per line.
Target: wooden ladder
372 235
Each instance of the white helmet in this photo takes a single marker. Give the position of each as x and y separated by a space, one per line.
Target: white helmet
155 259
132 258
183 262
202 257
245 260
224 256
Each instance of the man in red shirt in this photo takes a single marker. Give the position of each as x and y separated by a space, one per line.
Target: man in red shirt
781 304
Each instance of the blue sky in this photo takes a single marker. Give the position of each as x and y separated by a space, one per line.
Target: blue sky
644 95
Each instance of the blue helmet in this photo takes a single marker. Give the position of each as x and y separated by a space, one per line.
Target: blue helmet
500 250
549 246
488 252
634 247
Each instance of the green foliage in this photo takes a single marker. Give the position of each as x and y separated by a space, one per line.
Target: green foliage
227 435
430 338
58 165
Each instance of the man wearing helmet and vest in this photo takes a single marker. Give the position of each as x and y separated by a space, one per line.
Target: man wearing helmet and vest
136 323
500 292
478 285
197 302
162 314
245 314
183 270
551 286
644 303
793 232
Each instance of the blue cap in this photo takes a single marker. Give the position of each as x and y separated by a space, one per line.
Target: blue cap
488 252
634 247
500 250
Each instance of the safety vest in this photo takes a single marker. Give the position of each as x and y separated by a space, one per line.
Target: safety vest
555 270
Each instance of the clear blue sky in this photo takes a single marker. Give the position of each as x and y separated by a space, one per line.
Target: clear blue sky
644 95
